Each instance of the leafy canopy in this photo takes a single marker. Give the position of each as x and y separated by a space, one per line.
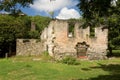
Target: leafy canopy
94 11
105 12
14 6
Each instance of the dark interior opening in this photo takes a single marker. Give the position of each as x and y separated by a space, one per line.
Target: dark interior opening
71 30
81 48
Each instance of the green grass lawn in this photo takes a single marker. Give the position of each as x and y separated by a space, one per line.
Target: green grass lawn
116 53
25 68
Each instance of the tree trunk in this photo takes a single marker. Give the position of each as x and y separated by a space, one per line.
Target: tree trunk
110 51
10 49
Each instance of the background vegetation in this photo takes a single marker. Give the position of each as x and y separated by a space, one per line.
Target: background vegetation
19 27
105 13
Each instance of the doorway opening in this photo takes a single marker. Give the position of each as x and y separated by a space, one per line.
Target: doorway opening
81 48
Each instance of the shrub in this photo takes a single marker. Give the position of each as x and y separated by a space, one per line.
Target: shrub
69 60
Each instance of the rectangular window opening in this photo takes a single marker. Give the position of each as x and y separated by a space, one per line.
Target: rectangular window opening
92 32
26 40
71 30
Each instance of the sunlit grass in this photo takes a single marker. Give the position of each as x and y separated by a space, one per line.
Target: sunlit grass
26 68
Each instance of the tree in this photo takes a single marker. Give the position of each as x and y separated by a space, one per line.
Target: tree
40 22
11 29
19 27
94 11
114 27
105 12
14 6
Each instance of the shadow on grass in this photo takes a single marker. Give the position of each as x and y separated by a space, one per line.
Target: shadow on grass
113 69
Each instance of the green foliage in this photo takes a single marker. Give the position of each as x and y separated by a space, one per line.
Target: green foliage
40 22
116 42
9 25
71 28
102 12
19 27
69 60
34 34
92 32
12 28
93 8
115 53
14 6
71 23
114 26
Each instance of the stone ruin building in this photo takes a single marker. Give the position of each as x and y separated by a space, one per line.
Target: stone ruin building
60 42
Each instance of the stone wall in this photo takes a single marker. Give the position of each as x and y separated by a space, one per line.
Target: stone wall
59 42
27 47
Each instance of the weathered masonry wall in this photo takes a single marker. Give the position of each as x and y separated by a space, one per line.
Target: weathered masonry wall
59 42
27 47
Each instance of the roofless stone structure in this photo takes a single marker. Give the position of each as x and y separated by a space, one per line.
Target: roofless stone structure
60 41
